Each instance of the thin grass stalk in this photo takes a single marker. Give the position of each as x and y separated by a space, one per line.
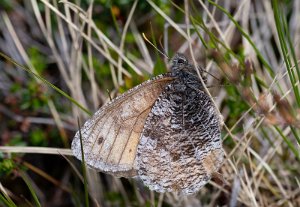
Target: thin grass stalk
7 201
284 48
86 193
259 55
5 198
289 143
296 134
32 192
45 82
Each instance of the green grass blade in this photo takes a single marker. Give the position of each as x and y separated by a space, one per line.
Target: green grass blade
213 38
46 82
283 34
199 35
289 143
33 194
86 194
259 55
295 61
7 201
295 134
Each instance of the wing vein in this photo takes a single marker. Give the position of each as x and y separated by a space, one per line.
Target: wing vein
96 137
130 135
95 140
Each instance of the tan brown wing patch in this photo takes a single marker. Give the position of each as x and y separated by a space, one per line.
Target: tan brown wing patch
111 136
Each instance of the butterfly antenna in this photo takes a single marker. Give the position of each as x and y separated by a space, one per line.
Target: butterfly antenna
222 85
211 75
162 53
164 50
108 93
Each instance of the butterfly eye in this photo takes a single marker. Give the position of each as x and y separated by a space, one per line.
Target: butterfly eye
180 61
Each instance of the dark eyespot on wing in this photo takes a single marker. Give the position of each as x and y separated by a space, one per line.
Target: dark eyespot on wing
100 140
111 136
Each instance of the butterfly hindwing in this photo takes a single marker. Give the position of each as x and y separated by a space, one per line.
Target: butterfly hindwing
111 136
180 146
165 130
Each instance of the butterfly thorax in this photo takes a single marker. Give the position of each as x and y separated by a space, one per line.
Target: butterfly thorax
186 74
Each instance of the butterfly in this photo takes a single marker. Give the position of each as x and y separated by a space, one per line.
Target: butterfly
166 131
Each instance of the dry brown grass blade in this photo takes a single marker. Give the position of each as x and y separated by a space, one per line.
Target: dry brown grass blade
35 150
46 176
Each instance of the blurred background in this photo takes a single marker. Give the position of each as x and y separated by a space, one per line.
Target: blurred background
61 60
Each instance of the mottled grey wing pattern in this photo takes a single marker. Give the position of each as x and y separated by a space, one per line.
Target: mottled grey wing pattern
111 136
180 146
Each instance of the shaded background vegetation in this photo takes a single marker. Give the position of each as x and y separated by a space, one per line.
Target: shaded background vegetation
91 48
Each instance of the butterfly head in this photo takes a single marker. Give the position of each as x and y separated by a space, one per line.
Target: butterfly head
179 60
180 66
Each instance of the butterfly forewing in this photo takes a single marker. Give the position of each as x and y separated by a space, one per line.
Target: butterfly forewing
180 146
112 135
